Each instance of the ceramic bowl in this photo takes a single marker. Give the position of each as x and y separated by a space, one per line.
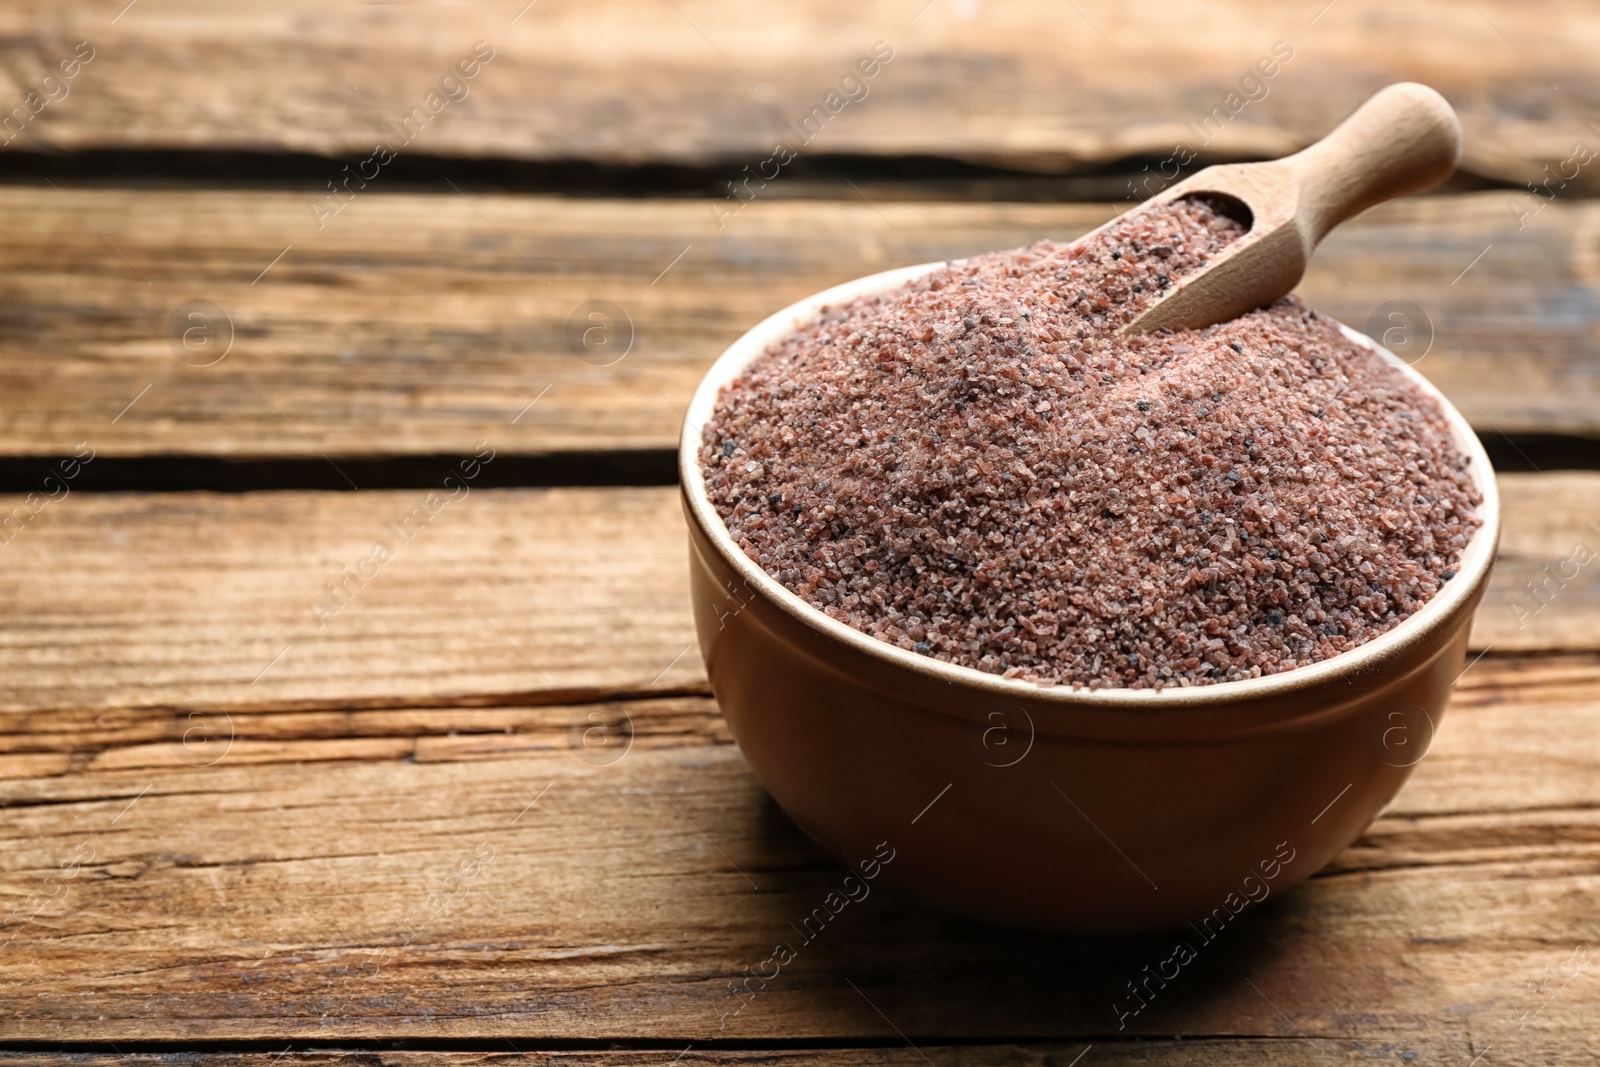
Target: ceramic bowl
1085 811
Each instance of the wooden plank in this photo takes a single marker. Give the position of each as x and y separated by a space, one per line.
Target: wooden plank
421 324
1548 569
48 744
315 896
410 324
1025 83
504 597
1245 1052
499 596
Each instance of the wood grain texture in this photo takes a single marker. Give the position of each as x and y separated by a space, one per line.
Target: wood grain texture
1548 565
481 796
1024 83
1223 1052
414 324
421 324
503 597
301 886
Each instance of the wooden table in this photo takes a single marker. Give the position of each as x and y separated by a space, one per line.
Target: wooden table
476 802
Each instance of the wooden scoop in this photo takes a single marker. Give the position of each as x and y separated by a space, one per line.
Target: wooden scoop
1403 140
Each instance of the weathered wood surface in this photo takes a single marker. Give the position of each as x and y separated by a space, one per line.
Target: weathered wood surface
504 596
422 324
452 873
118 600
267 868
1221 1052
1225 1052
1548 569
1026 83
488 800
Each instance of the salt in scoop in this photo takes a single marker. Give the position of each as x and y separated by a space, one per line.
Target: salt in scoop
1404 139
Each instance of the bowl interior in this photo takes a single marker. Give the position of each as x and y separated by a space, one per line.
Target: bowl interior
1470 572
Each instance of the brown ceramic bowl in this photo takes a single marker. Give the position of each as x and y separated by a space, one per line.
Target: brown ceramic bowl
1104 811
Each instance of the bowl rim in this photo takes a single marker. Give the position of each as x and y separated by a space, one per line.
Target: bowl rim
1471 571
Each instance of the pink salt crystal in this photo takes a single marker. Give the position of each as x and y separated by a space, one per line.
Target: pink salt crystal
979 467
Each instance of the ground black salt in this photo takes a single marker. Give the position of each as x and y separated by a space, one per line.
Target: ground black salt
978 467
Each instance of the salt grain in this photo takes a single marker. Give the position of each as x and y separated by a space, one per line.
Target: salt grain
979 468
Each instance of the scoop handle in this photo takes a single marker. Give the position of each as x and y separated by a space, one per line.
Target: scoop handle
1404 139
